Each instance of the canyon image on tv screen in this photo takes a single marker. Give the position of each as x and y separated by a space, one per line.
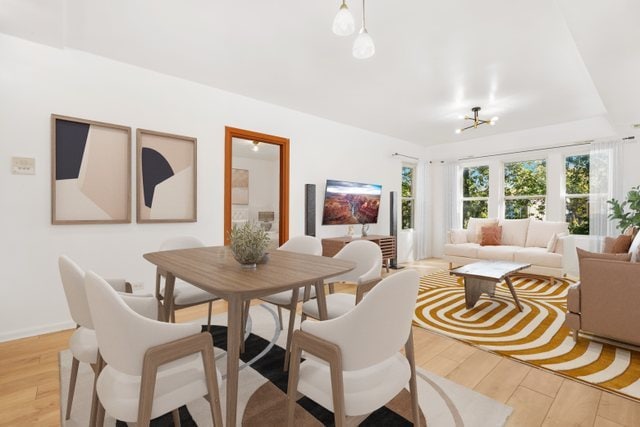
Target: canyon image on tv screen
351 203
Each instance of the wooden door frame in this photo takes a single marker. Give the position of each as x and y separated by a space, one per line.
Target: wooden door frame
283 144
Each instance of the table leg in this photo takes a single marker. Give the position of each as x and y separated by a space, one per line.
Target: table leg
513 292
169 284
321 299
474 287
234 323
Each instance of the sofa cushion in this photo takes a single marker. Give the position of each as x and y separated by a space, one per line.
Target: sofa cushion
497 253
491 235
538 256
475 226
617 245
540 232
458 236
514 231
468 250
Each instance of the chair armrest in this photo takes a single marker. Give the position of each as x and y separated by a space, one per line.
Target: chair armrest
120 285
457 236
145 305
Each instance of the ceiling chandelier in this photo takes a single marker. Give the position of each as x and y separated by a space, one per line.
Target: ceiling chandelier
477 121
344 25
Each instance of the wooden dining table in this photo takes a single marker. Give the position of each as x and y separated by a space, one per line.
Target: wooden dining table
215 270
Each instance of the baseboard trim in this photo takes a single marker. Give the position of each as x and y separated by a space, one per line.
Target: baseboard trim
38 330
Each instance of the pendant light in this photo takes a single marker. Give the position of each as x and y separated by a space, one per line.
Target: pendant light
343 24
363 47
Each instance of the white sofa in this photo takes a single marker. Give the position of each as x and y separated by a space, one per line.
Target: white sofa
539 243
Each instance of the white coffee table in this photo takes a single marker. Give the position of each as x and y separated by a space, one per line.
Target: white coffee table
482 277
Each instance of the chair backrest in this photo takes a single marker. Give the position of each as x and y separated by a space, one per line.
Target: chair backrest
123 335
303 245
181 242
72 277
368 258
376 328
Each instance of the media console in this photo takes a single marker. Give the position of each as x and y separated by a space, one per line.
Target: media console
332 245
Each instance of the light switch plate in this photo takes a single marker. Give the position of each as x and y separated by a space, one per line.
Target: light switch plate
23 165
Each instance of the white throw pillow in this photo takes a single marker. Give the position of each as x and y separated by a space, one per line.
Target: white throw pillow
514 231
540 232
474 228
553 242
633 250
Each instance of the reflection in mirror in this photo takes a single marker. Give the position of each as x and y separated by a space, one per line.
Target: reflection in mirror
255 184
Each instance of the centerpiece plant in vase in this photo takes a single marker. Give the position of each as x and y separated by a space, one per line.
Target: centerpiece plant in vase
249 242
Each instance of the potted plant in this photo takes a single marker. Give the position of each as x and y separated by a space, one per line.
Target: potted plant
248 244
628 212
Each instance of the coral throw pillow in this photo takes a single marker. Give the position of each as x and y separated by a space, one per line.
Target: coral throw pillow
491 235
617 245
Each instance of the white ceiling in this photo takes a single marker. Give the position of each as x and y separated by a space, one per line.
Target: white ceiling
532 63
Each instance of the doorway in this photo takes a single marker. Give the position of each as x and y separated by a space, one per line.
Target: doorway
256 182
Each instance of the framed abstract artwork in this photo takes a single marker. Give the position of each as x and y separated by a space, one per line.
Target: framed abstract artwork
90 172
167 177
239 187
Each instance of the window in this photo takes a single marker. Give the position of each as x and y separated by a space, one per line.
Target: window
525 189
576 170
475 193
408 196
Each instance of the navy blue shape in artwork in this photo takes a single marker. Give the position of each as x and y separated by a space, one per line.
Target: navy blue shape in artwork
155 169
71 140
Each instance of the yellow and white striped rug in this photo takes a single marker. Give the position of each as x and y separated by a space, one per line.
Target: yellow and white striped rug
535 335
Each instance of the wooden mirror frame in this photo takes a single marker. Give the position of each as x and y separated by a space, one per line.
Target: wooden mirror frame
283 144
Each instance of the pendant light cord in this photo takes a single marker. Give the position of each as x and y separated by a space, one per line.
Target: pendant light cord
364 22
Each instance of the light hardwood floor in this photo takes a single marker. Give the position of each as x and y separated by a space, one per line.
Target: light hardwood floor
29 385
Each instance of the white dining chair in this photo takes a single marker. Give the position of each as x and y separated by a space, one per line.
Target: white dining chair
152 368
357 366
184 294
368 259
83 344
304 245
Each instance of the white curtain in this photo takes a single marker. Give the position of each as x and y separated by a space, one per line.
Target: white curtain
605 183
421 229
452 215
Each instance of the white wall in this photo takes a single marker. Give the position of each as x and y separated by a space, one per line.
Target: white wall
263 186
36 80
544 137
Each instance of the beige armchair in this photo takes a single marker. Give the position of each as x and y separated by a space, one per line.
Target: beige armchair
606 300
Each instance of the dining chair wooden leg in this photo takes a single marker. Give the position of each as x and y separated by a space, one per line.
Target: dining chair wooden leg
332 288
245 319
211 378
413 386
95 402
173 312
72 386
176 417
292 387
96 417
209 316
147 387
337 389
280 317
292 320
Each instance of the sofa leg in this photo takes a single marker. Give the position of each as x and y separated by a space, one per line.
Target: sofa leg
575 335
450 266
552 280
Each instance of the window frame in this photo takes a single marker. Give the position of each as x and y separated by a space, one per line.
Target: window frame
565 195
462 197
411 199
505 198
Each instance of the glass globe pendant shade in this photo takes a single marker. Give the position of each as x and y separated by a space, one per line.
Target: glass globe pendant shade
363 47
343 24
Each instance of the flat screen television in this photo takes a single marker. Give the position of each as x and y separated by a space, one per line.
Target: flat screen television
351 203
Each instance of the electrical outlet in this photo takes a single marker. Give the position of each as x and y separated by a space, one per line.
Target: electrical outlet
23 165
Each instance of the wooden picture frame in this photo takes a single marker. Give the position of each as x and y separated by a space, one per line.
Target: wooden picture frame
167 178
90 172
